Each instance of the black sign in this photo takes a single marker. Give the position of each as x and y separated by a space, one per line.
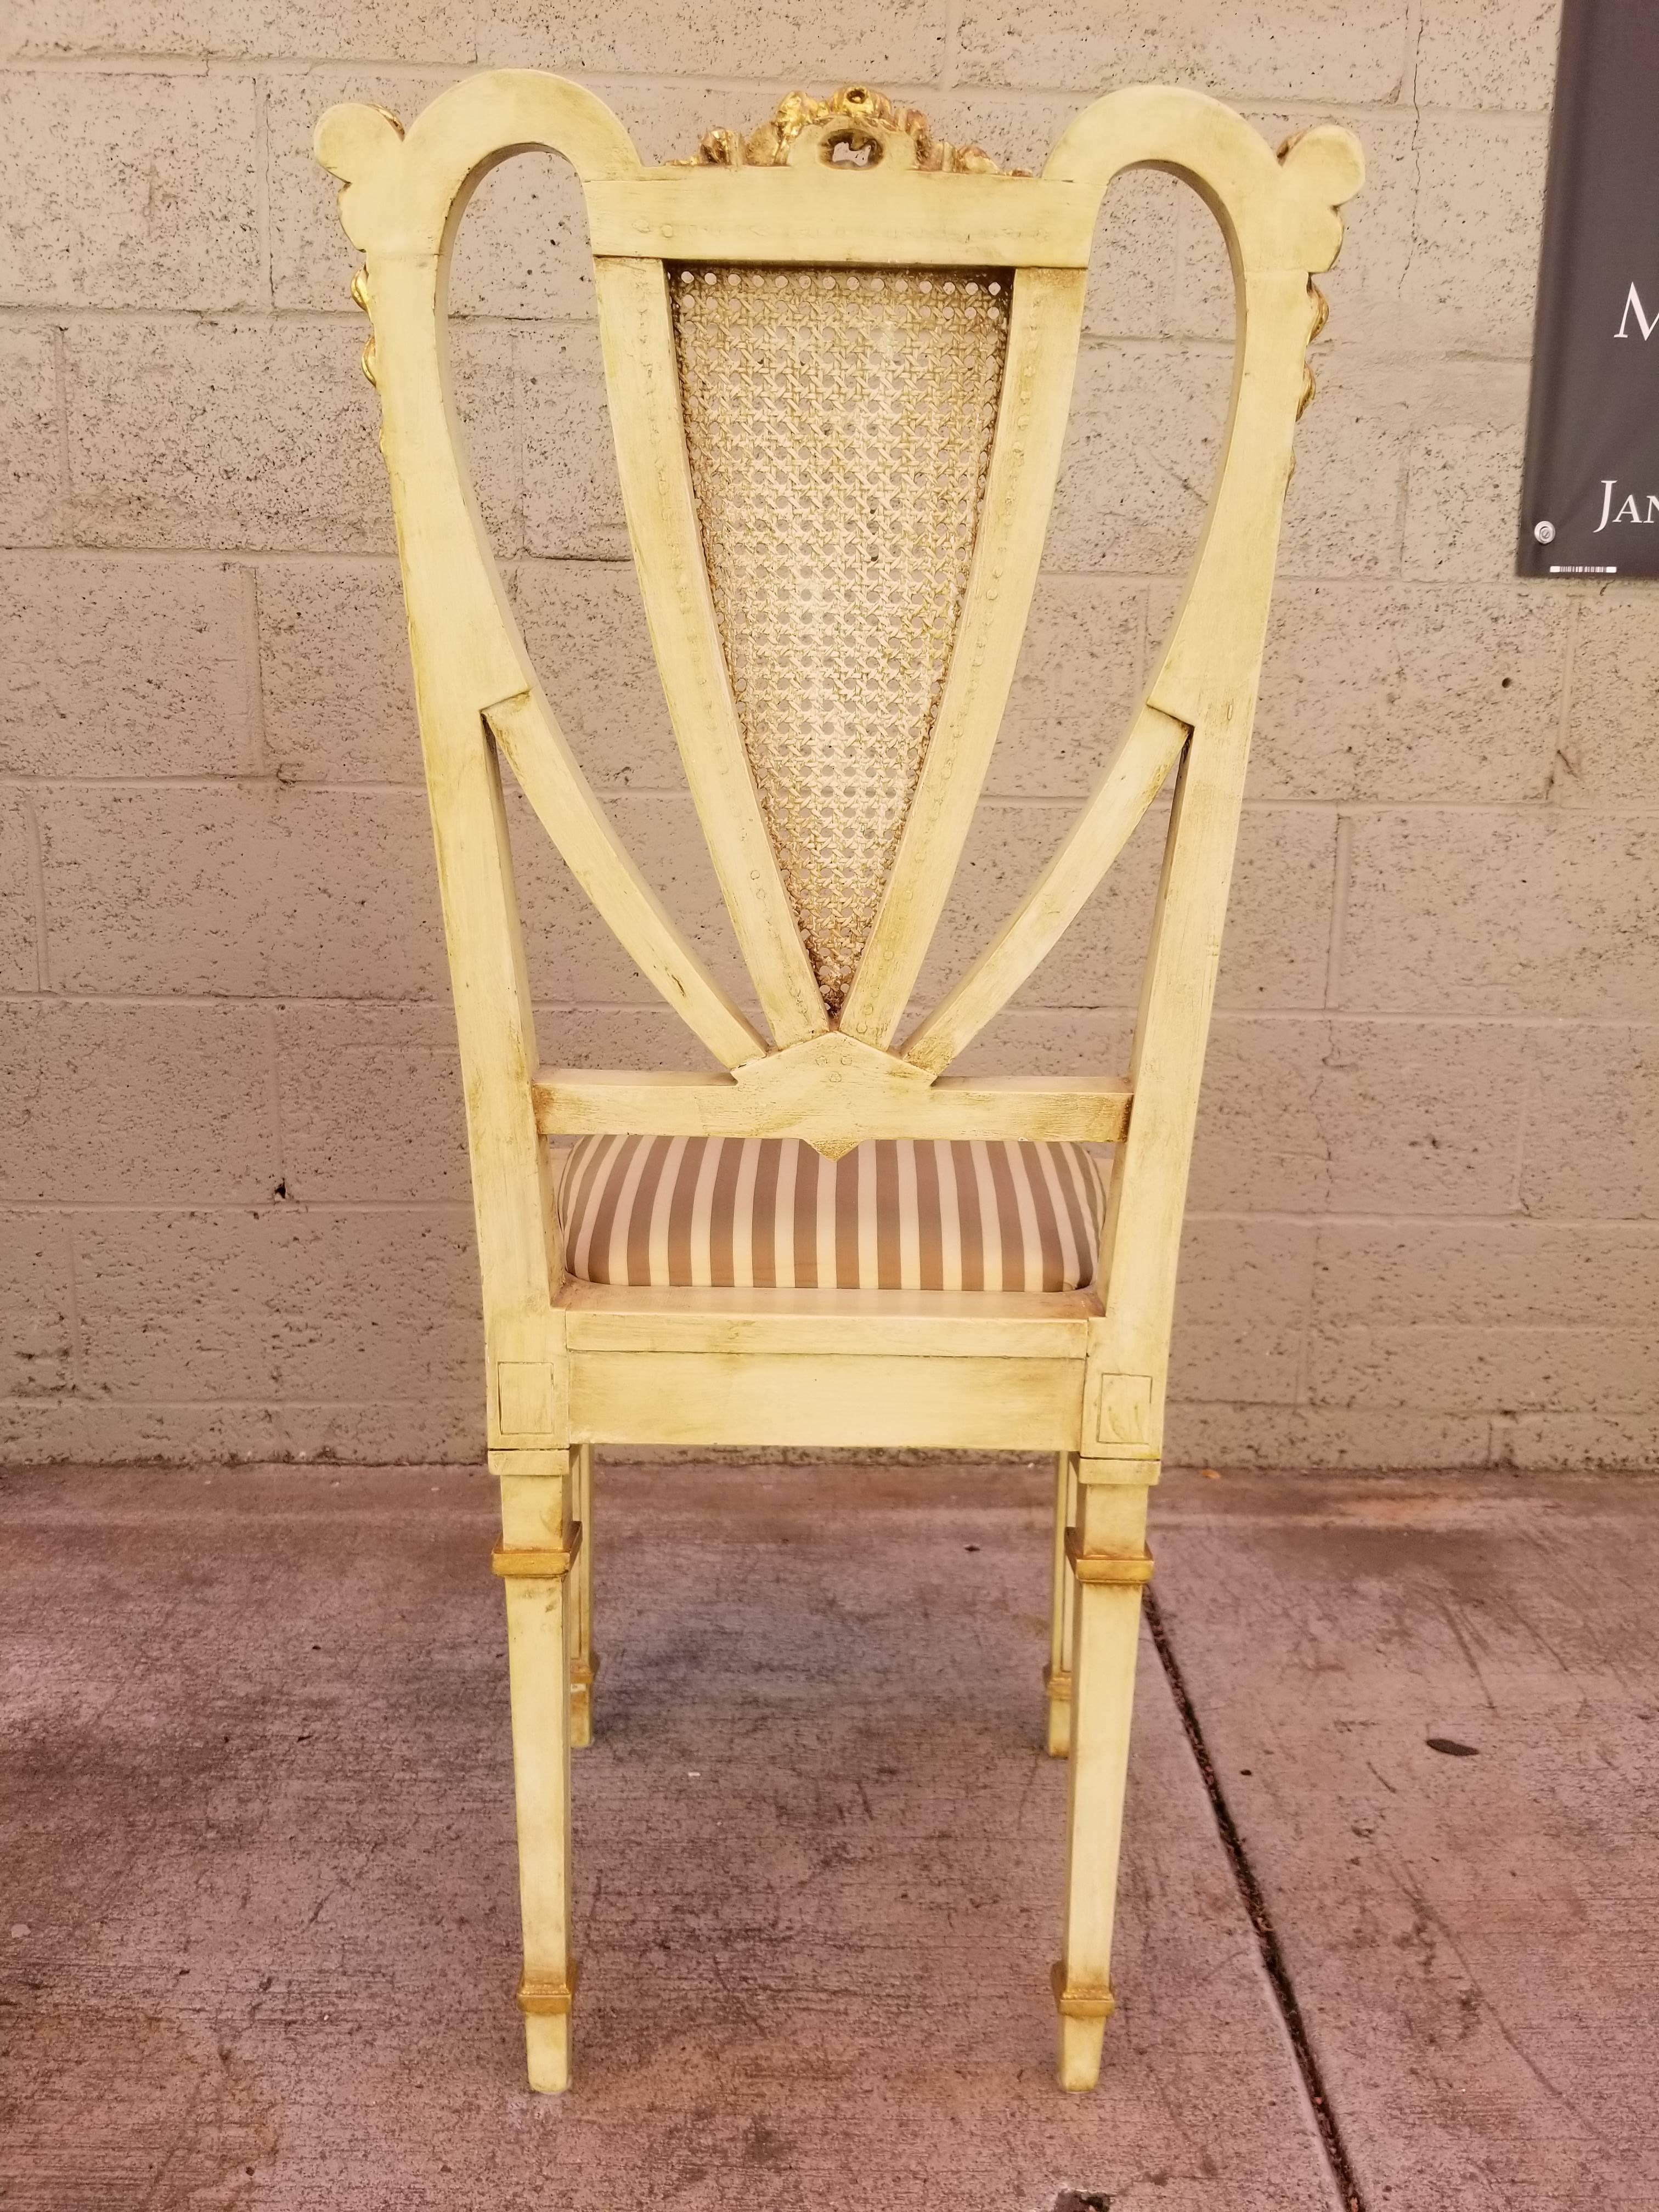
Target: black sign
1589 503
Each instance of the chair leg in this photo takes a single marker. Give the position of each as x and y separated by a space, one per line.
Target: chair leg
539 1533
1111 1567
584 1665
1057 1675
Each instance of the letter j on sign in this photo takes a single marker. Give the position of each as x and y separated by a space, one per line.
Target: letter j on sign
1589 502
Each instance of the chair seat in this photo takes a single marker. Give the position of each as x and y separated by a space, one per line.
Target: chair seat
683 1212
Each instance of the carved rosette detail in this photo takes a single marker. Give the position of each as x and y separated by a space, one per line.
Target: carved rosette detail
857 117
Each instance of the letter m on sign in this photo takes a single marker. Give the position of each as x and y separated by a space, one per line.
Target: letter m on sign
1634 302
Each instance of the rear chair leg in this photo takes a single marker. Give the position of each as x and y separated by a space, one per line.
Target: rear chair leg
1057 1675
1111 1567
584 1664
539 1542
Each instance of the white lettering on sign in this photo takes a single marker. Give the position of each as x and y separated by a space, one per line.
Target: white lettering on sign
1648 323
1628 511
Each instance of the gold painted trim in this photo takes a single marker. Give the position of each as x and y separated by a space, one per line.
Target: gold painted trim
873 127
525 1564
1080 2001
1092 1569
547 2000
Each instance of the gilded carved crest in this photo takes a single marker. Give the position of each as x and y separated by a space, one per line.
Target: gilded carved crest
857 126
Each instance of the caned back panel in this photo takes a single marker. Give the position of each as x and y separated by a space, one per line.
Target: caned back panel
839 423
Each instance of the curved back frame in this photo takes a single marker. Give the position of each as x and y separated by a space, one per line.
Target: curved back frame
789 198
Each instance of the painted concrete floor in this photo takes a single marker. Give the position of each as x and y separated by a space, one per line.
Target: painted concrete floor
257 1905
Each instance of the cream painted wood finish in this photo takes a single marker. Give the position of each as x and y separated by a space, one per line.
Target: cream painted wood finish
571 1364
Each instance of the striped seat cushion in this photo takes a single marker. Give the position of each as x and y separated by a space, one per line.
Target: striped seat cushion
770 1212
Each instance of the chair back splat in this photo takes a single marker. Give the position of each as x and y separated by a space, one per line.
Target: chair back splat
839 355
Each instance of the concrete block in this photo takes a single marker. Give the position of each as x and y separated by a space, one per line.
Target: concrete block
1463 479
418 1433
1201 1433
572 955
259 434
667 116
1614 1443
1470 275
1608 759
1145 441
584 624
240 1433
37 1306
1592 1142
1341 511
522 250
1200 303
572 502
1139 454
136 1104
31 440
253 1307
370 1104
1463 496
1308 1115
1304 1115
1279 926
339 698
1492 1048
1440 249
866 40
1465 1371
1494 1316
1501 913
1274 952
20 950
128 190
243 890
1133 268
1048 1040
1487 53
1241 1310
400 30
1515 1275
648 1035
1294 49
35 1431
125 667
1079 680
1388 693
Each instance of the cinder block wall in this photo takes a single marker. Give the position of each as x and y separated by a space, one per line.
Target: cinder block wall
235 1217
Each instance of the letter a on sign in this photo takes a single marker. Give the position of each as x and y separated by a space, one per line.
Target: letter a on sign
1592 475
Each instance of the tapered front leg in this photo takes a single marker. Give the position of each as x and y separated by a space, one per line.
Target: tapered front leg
1057 1675
1111 1567
540 1540
584 1663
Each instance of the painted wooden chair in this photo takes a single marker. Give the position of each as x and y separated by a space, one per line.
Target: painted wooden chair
839 355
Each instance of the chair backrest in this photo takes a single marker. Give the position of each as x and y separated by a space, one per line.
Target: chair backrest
839 425
839 355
